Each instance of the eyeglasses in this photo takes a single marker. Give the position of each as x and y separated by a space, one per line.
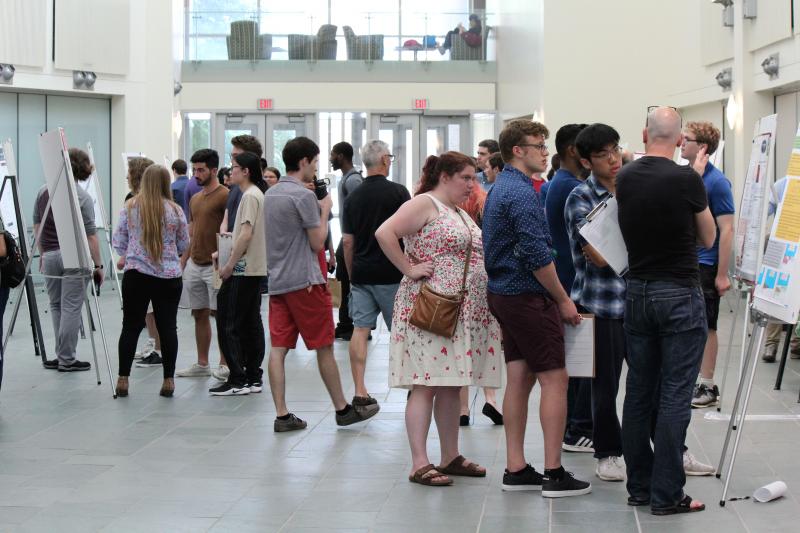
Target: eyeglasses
390 156
613 153
541 147
650 109
688 140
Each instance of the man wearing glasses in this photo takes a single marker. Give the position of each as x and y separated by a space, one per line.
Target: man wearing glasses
663 215
526 297
374 279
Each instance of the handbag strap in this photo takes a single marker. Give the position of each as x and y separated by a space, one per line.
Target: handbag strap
469 253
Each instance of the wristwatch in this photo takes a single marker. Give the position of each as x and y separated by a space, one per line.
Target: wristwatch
98 266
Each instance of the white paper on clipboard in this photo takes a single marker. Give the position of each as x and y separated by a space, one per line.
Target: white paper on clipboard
602 232
579 348
224 247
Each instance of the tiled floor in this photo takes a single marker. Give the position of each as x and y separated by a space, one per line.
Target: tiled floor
73 459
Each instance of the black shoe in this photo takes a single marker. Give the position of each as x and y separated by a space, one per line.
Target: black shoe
343 334
352 416
494 414
51 364
75 366
526 479
464 420
151 360
635 501
226 389
564 486
366 406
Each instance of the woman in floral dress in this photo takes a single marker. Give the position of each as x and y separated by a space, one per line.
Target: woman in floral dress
436 234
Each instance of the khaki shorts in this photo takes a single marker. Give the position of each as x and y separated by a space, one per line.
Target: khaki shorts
198 287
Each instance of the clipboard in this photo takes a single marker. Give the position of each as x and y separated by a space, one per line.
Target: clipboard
601 230
224 251
579 348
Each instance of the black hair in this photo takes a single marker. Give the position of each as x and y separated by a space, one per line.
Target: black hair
345 149
595 138
565 137
179 166
477 21
296 150
208 156
264 164
496 160
491 145
224 171
251 162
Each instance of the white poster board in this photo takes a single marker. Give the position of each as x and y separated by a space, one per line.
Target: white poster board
751 226
778 290
65 207
8 168
92 187
602 232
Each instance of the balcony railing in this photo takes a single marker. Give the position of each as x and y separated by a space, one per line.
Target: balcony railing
372 36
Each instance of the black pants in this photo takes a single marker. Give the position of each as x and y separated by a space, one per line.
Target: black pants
345 323
239 328
138 290
448 39
609 351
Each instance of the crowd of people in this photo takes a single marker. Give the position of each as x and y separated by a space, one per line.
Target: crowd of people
488 235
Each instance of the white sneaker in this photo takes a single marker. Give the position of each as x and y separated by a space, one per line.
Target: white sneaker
611 469
693 467
194 371
221 373
146 350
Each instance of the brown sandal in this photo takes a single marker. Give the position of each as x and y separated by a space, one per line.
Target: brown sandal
426 476
122 387
457 467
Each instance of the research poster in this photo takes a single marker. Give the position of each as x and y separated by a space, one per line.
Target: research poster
91 186
753 205
7 210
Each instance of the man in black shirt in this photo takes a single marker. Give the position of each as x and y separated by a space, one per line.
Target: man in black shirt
663 215
374 279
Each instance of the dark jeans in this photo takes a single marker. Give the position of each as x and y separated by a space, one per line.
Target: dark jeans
240 330
138 290
609 353
579 408
665 326
345 323
4 292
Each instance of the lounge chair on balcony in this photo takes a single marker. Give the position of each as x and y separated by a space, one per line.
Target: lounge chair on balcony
363 47
323 45
245 42
461 51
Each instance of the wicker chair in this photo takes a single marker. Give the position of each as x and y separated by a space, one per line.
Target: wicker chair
363 47
461 51
245 42
323 45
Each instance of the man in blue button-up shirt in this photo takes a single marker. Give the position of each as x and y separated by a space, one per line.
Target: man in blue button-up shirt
526 297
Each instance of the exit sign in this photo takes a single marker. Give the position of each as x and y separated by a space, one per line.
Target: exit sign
265 103
420 103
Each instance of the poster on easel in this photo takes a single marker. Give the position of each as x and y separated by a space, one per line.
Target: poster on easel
777 291
92 188
8 168
753 205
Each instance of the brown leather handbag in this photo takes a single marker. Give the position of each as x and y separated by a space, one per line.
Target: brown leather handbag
436 312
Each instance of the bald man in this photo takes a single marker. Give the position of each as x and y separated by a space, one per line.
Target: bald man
663 215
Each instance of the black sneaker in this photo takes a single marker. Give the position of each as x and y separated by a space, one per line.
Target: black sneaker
151 360
51 364
705 396
290 424
226 389
567 485
343 334
75 366
577 444
353 416
526 479
366 406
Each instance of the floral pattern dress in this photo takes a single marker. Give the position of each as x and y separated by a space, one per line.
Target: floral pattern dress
473 355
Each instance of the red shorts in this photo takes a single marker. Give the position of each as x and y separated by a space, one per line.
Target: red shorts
307 312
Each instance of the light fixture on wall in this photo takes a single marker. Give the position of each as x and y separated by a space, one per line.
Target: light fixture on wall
727 11
731 112
83 79
725 79
7 73
176 88
770 66
177 124
750 9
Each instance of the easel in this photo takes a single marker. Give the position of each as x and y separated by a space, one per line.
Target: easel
27 286
743 290
58 174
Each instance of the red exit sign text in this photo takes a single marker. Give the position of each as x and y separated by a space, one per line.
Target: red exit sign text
420 103
265 103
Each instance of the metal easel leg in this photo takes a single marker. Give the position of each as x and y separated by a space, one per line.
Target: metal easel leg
105 344
94 348
728 349
751 358
784 356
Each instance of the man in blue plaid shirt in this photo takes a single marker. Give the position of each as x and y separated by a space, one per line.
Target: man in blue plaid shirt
597 289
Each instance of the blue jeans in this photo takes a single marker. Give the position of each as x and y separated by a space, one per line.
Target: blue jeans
666 330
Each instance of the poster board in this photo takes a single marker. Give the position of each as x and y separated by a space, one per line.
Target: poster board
602 232
8 168
65 207
777 292
751 226
92 187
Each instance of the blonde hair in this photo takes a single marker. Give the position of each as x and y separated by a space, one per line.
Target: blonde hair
153 191
136 168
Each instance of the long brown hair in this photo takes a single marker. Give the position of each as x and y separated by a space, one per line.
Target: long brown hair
153 190
136 167
449 163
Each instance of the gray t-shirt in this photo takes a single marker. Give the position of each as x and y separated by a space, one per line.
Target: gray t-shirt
348 184
49 239
289 210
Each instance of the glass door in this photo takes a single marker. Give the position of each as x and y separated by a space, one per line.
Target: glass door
230 125
283 128
446 133
401 133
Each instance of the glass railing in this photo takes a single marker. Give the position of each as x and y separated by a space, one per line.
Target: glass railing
368 36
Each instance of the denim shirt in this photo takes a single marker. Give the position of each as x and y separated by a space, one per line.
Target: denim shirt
516 238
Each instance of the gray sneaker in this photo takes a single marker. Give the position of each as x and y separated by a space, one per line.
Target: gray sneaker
290 424
705 396
367 406
353 416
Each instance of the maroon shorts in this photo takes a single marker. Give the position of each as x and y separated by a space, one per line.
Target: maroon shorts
532 330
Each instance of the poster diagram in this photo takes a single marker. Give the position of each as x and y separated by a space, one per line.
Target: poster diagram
753 205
